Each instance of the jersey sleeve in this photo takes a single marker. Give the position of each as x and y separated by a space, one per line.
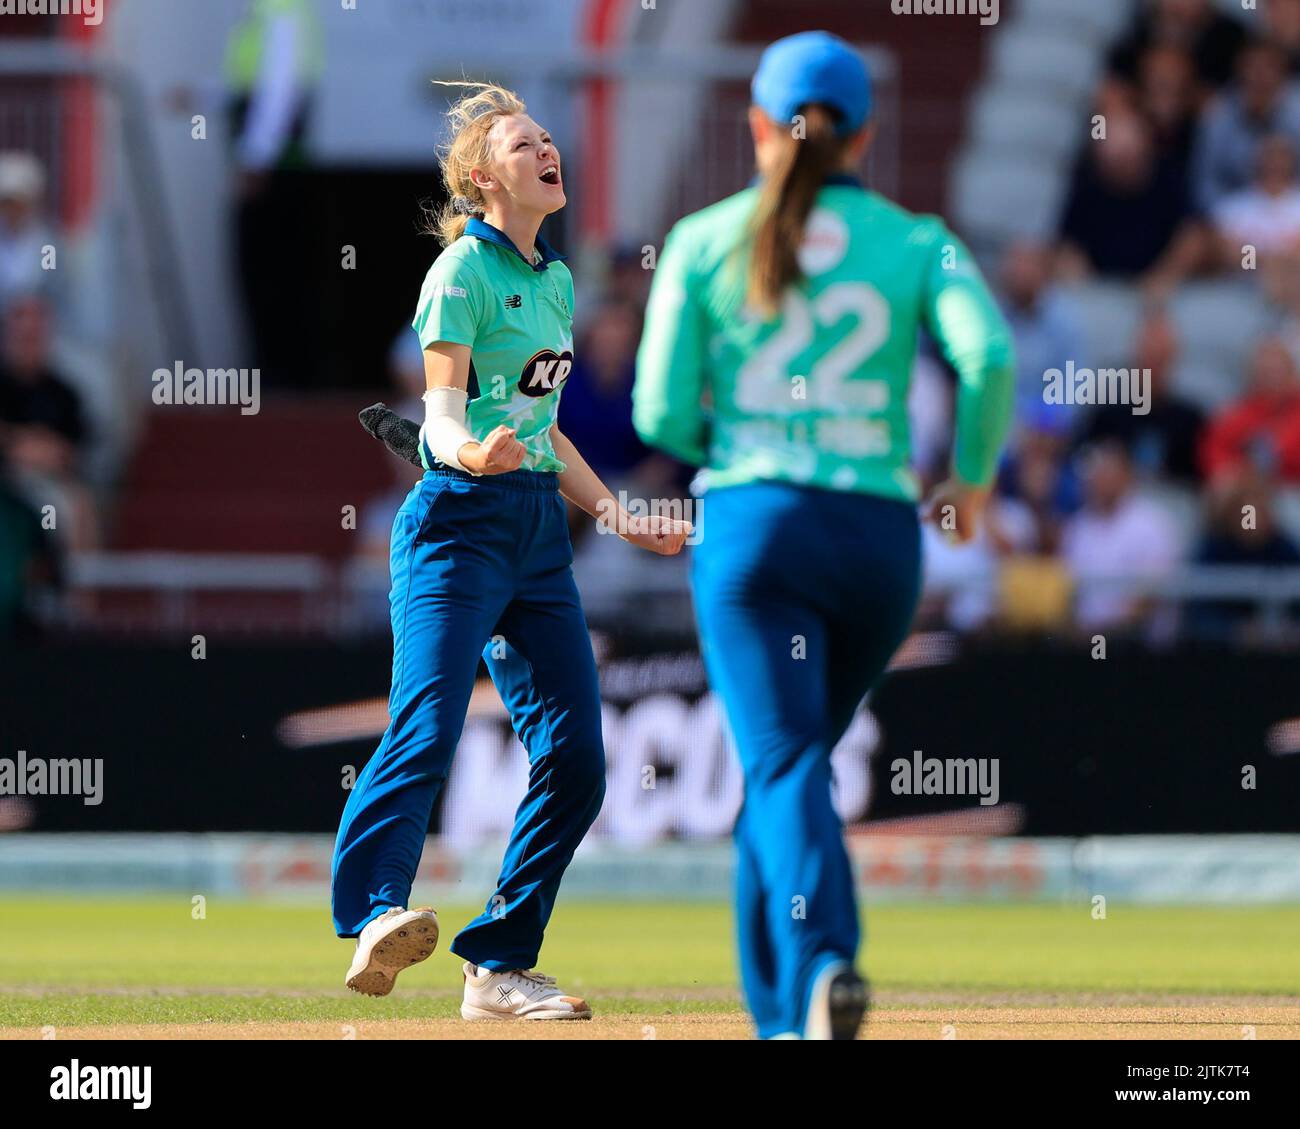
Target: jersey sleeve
964 319
667 398
451 303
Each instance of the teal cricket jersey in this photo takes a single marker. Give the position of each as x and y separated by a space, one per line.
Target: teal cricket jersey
517 319
818 394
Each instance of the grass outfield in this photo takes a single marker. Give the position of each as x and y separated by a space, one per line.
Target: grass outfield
144 967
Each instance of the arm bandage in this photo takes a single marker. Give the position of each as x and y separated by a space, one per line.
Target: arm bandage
444 424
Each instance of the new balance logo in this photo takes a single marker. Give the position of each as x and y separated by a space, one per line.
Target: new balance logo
514 301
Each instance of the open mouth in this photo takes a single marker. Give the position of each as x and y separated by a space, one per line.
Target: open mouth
550 175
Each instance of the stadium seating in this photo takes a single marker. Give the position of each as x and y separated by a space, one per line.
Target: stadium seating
271 483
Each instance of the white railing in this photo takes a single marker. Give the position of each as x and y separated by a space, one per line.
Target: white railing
349 596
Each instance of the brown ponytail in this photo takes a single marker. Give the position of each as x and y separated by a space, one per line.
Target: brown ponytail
789 192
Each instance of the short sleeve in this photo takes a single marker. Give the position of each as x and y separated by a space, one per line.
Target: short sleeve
451 303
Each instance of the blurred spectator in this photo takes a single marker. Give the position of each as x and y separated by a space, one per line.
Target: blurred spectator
1261 431
596 406
1167 97
40 412
1265 216
1128 214
273 64
273 61
1042 320
966 572
27 562
1284 289
1162 443
1262 103
629 278
23 232
1242 531
406 369
596 414
1118 533
1282 26
1211 38
1037 473
42 428
375 524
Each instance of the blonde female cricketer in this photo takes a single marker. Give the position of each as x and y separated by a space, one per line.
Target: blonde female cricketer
777 353
480 549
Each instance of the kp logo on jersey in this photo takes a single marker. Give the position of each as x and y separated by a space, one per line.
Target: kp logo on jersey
545 372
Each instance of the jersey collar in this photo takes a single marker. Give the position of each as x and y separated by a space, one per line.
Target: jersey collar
481 229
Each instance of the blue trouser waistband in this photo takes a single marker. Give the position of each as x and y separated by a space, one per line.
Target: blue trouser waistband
529 481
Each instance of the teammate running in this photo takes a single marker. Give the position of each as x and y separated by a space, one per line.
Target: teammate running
481 565
777 354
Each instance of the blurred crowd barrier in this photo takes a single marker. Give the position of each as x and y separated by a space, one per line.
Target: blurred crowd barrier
1190 870
1245 604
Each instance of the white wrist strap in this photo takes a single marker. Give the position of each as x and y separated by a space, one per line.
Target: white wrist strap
444 424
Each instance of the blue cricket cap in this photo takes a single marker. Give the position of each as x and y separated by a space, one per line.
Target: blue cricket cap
813 66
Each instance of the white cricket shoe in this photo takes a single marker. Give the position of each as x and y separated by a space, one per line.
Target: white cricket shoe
395 940
518 994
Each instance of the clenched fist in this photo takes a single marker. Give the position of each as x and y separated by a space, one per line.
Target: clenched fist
956 507
499 453
662 535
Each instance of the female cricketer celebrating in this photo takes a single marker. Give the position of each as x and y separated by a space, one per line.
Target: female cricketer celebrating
777 352
480 564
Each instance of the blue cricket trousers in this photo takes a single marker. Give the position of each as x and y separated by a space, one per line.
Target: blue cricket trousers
473 559
801 595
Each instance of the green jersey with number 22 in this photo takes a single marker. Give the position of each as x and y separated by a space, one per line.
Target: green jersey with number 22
818 394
